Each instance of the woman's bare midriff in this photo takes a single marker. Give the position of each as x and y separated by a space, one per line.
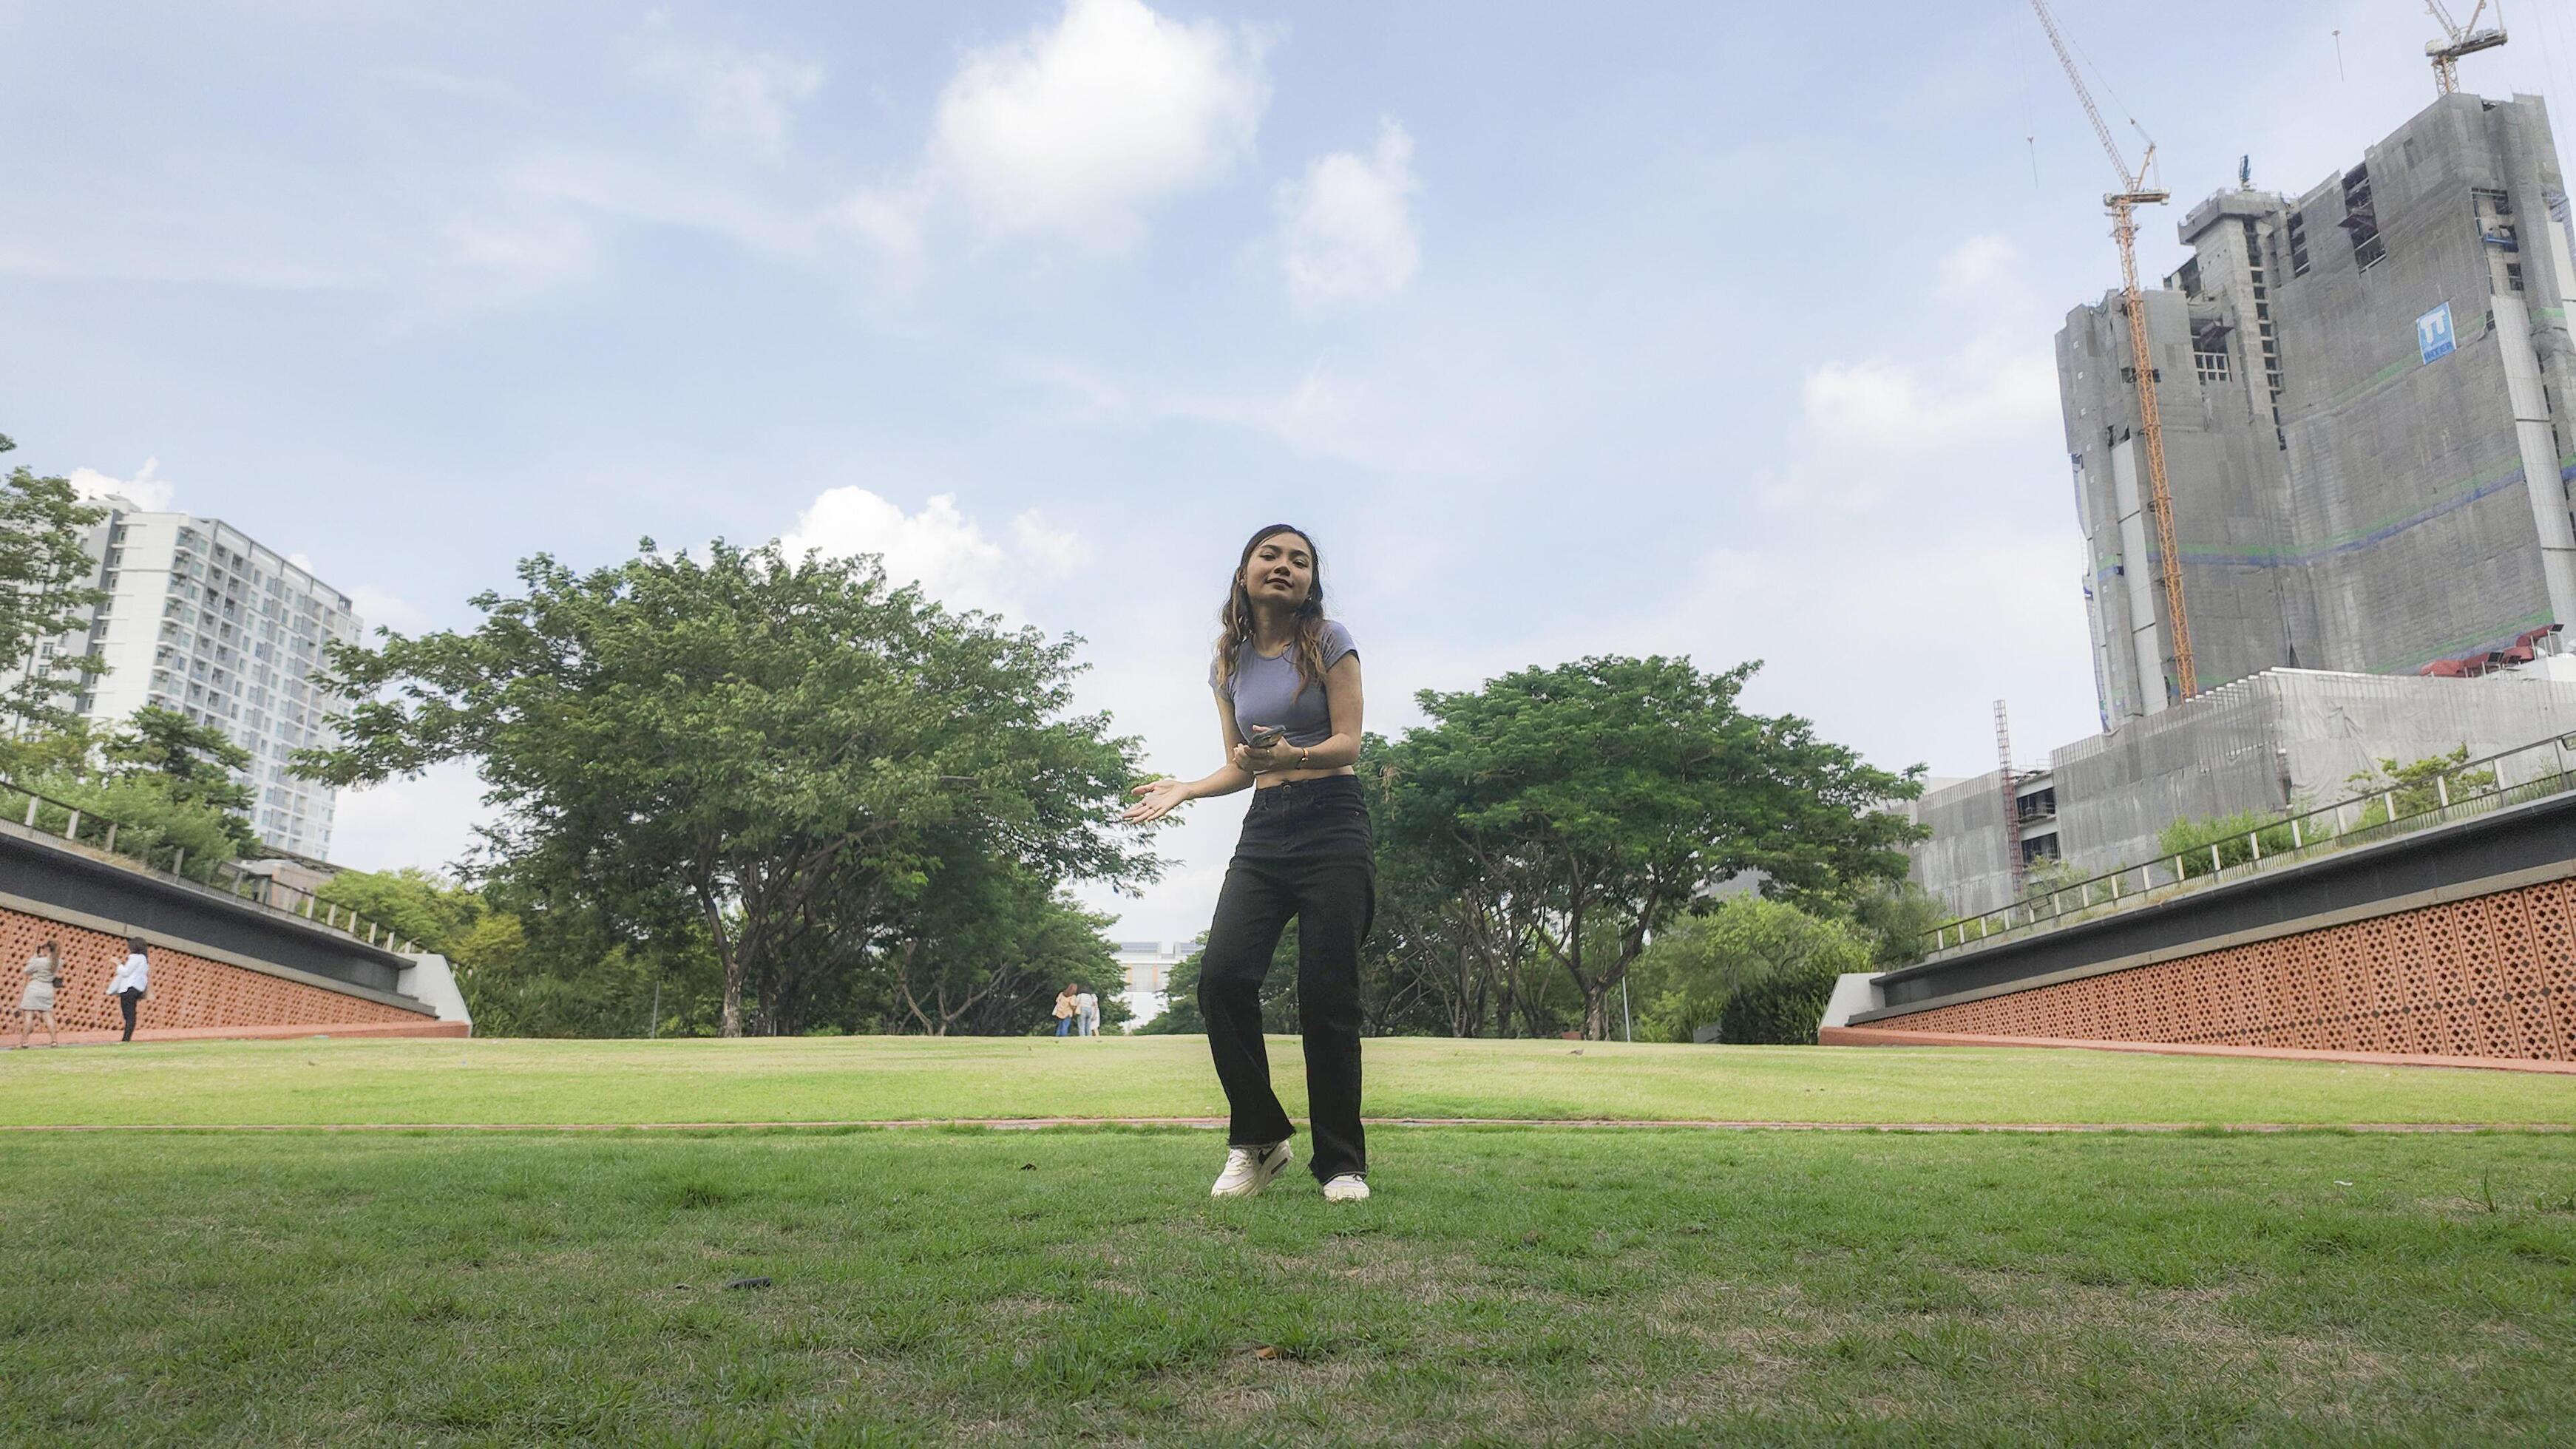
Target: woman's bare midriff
1290 777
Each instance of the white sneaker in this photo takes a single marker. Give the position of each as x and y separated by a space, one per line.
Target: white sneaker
1249 1169
1349 1187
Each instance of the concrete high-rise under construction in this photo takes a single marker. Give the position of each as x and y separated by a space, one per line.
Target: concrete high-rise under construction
2368 395
2368 398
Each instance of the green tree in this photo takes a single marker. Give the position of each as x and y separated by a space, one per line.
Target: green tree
2417 785
1180 1015
45 589
191 838
1895 916
988 948
63 749
429 910
163 779
1431 964
767 742
1692 975
1593 801
191 764
543 971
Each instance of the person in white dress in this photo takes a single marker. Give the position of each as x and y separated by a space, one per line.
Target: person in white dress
44 973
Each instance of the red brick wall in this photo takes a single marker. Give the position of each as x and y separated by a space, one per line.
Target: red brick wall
2493 976
186 991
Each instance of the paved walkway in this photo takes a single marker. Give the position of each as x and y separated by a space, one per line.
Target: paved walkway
1034 1124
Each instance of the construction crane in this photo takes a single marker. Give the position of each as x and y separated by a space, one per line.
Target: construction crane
2123 203
2465 40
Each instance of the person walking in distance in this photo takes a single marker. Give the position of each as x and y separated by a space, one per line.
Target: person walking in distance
130 983
1287 684
1086 1009
44 973
1065 1009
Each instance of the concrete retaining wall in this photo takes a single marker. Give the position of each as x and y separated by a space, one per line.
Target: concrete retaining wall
2456 942
218 964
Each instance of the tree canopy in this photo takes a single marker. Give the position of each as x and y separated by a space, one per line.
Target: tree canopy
45 587
786 751
1572 811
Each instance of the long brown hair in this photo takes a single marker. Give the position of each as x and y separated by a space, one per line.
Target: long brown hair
1235 619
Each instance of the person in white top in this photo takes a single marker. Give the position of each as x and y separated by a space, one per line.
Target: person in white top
1087 1007
131 983
44 973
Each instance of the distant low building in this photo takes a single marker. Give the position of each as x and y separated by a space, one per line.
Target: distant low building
1147 970
2283 740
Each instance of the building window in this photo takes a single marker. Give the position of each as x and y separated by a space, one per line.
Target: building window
2361 219
2298 245
2210 366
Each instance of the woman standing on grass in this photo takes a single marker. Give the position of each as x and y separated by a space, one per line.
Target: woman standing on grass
1287 683
44 973
1064 1009
131 982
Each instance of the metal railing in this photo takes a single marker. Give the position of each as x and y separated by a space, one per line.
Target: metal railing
81 826
2527 772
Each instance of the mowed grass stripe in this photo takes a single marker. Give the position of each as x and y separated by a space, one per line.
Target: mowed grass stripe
970 1286
904 1078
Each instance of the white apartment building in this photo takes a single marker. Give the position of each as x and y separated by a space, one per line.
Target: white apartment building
204 620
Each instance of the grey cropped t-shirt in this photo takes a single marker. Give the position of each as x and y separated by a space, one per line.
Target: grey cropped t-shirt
1268 692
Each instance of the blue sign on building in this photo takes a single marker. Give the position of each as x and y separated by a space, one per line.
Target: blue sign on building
2433 333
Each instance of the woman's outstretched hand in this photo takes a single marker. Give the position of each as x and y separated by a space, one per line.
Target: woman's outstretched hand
1156 800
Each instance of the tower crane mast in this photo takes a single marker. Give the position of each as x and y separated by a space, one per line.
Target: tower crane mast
2122 204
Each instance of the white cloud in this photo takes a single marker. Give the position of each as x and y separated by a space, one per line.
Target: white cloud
1075 130
1980 269
1346 231
739 100
940 547
1879 426
534 251
891 220
1054 552
378 609
146 490
638 186
427 822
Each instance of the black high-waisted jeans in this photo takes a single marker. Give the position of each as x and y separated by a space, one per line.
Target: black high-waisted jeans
1307 853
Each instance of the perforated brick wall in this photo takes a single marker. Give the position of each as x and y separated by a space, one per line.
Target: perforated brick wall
2493 976
186 990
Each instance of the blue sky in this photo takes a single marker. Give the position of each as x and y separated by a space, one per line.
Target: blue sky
1565 329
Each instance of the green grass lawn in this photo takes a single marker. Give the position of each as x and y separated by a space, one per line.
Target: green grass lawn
1507 1285
874 1078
